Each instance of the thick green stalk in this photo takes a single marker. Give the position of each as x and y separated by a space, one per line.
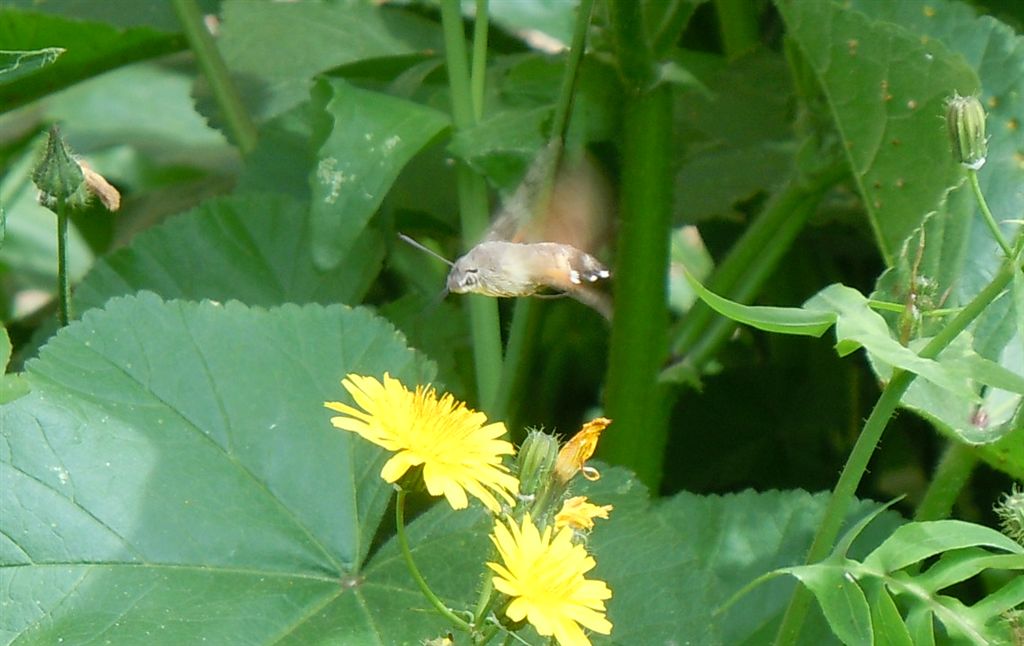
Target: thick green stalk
639 341
63 285
856 464
473 210
950 478
748 266
210 62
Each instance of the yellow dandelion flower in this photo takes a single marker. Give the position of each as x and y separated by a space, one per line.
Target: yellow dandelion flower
579 449
458 450
544 578
579 514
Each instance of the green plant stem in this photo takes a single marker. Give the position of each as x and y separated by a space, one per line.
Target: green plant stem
634 398
524 317
567 90
749 264
856 464
632 49
517 352
210 62
972 177
737 25
63 285
478 76
473 211
950 478
403 543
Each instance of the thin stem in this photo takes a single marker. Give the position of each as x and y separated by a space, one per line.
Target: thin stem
210 62
63 286
951 476
403 542
473 211
972 176
524 317
479 74
520 343
856 464
563 108
486 597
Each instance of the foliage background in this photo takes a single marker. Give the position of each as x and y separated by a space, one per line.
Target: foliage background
171 475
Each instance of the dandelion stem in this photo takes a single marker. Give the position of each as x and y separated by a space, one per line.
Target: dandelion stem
972 176
403 542
63 287
483 604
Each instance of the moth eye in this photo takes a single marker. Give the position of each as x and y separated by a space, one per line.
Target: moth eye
469 278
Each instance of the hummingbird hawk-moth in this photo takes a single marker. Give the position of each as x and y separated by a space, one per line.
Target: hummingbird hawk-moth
523 255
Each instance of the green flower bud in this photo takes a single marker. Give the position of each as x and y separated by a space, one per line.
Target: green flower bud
965 120
58 175
536 462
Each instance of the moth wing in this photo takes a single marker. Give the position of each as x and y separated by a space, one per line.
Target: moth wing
572 207
519 210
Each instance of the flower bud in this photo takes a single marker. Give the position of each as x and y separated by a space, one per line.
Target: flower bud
536 461
58 175
965 120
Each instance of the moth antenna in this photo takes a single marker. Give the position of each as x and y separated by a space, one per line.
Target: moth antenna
422 247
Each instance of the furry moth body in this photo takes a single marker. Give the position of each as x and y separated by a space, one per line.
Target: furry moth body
511 269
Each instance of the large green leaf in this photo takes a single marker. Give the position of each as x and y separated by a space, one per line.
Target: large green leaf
996 54
310 38
951 257
90 49
175 457
254 248
367 138
886 88
737 135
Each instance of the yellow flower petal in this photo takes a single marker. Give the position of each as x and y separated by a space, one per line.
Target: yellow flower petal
579 449
460 452
579 514
543 574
